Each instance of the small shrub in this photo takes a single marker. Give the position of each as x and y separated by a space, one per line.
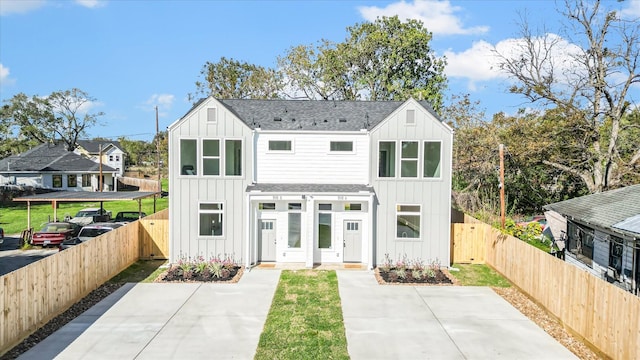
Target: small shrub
416 274
401 273
386 263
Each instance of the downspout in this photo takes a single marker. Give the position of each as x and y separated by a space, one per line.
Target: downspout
371 231
247 261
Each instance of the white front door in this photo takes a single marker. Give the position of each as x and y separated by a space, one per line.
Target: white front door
267 240
352 241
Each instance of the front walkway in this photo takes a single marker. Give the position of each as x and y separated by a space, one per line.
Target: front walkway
224 321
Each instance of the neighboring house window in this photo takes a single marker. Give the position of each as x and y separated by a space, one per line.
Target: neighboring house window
295 225
212 115
432 159
57 181
233 157
86 180
387 159
72 180
266 206
211 219
211 157
409 159
110 157
408 221
324 226
117 157
341 146
280 145
353 207
580 242
411 117
188 157
615 253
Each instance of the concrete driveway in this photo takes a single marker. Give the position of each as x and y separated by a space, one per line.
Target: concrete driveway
224 321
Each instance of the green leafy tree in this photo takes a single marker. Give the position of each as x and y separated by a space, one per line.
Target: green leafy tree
63 115
586 80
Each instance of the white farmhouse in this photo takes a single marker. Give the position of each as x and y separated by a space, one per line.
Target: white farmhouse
309 182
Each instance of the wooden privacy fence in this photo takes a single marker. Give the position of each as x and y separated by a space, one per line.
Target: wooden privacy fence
34 294
604 315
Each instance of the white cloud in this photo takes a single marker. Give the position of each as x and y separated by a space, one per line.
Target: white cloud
480 62
632 11
19 6
437 16
91 3
4 73
164 102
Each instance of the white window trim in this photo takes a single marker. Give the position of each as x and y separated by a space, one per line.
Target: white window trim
281 151
395 220
198 158
400 158
223 161
423 160
220 157
224 225
337 152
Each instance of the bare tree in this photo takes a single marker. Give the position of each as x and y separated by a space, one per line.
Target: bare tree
587 78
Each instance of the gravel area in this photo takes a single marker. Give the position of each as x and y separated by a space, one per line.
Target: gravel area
512 295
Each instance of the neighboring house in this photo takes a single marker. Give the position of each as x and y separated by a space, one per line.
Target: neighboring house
603 234
113 154
51 166
293 181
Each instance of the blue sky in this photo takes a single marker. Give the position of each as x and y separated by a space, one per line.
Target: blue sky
133 55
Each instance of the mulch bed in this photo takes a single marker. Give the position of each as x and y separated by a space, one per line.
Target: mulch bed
177 274
442 278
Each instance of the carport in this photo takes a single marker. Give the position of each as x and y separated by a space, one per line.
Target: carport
85 196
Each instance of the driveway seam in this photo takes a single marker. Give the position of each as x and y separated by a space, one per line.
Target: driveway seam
167 322
415 289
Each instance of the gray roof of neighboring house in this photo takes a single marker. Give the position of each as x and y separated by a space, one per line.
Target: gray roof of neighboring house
93 146
631 224
49 158
322 115
309 188
606 209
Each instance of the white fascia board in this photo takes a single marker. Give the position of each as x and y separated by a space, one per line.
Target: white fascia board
318 132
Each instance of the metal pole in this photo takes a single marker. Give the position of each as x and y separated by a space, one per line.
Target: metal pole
100 158
157 161
502 204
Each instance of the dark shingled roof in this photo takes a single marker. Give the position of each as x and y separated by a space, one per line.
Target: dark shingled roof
310 188
604 209
322 115
93 146
49 157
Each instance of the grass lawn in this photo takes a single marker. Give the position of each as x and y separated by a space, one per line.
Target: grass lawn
13 219
305 319
478 275
143 271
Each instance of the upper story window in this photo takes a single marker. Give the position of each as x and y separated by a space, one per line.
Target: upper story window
188 157
409 159
387 159
117 157
212 115
110 157
280 145
211 157
341 146
432 159
233 157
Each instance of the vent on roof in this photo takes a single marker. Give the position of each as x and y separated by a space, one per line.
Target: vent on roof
277 119
293 119
342 120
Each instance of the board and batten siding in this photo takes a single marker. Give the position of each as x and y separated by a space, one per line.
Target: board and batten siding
189 191
432 194
310 160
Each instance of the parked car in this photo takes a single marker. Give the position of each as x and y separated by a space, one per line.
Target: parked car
69 243
128 216
90 215
90 231
54 233
1 235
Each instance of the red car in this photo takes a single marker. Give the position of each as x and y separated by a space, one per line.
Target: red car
54 233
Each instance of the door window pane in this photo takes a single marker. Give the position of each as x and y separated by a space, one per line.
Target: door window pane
188 157
387 159
432 159
324 231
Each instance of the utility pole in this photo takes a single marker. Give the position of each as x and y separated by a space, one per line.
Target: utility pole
502 205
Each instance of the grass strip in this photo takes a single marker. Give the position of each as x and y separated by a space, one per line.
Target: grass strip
305 319
478 275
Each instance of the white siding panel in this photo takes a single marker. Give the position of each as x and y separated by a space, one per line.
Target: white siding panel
311 161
